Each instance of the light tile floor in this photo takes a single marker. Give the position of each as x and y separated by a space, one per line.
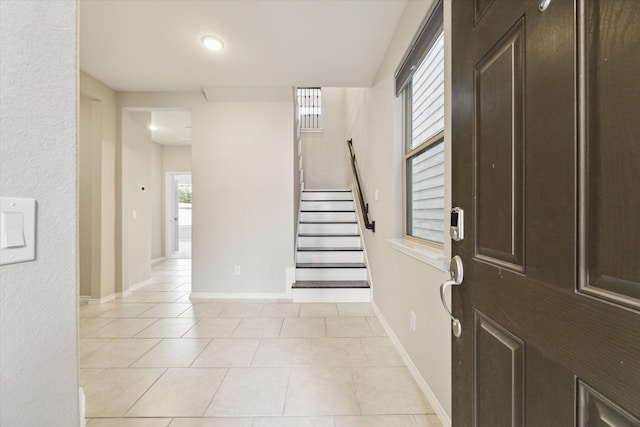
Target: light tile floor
158 359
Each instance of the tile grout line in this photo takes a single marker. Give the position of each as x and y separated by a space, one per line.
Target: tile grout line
253 356
286 394
188 330
142 355
200 352
145 392
227 370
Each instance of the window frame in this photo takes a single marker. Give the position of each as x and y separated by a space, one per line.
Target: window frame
320 117
408 154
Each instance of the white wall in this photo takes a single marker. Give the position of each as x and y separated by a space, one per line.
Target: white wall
176 158
39 299
325 159
156 189
97 183
85 180
136 148
401 284
243 189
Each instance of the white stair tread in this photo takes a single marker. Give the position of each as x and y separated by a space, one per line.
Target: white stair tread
330 265
329 249
330 284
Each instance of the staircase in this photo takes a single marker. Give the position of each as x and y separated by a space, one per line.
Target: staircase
330 263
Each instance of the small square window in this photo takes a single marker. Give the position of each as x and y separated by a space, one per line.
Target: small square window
310 108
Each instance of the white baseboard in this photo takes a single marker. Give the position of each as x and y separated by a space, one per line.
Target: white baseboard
135 287
141 285
430 395
84 299
238 295
82 404
102 300
157 261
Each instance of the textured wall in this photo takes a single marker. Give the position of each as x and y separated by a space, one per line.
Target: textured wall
38 299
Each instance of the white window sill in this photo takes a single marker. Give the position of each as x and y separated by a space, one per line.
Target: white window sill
314 130
434 257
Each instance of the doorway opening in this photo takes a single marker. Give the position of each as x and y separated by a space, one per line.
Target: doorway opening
179 202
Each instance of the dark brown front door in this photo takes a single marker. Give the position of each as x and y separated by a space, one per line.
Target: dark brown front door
546 165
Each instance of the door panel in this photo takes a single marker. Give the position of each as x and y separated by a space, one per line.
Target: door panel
479 8
547 165
499 375
498 150
596 410
611 172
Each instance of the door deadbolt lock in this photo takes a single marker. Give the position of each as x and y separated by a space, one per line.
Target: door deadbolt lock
456 229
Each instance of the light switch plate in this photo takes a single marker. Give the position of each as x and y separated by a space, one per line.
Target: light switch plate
17 230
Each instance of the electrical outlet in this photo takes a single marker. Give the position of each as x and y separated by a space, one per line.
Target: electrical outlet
237 270
413 320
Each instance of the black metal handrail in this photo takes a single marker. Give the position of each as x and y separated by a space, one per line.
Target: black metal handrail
364 207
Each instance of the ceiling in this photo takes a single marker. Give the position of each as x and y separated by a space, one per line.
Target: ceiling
153 45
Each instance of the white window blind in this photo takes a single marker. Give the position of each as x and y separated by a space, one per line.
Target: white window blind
425 213
427 194
428 95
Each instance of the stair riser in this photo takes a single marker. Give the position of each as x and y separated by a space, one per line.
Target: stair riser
331 295
336 274
327 206
328 229
329 242
330 257
327 195
327 216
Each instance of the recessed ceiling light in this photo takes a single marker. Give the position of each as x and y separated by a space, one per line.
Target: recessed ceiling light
212 43
153 127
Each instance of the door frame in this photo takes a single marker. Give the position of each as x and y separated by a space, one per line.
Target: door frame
170 204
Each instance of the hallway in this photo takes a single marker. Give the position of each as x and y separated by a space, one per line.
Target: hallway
157 358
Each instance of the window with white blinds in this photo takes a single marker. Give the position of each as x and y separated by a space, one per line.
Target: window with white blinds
424 154
427 116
